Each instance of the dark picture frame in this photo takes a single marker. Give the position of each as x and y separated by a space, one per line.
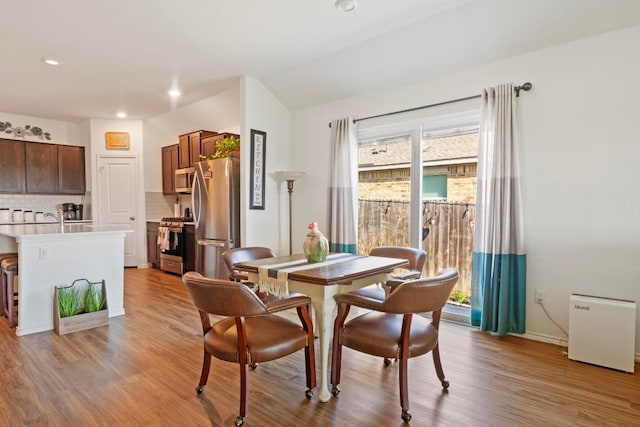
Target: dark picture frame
257 171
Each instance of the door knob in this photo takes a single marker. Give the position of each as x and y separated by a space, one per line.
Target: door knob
132 218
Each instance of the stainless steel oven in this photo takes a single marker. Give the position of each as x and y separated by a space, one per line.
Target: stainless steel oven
172 245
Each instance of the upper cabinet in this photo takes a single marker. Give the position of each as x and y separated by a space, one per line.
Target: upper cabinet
169 166
190 147
42 168
33 167
12 172
71 174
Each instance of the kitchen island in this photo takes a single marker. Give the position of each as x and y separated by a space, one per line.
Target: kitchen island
51 255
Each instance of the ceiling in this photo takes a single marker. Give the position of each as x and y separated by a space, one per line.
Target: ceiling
123 55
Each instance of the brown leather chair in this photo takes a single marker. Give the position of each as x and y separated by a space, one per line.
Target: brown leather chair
3 285
393 327
236 255
8 270
250 333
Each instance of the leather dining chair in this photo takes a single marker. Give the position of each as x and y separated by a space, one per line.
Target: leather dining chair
393 327
416 258
250 332
233 256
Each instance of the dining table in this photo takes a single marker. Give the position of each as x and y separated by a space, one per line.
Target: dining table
322 282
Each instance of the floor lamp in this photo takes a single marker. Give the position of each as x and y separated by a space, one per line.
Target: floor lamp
290 177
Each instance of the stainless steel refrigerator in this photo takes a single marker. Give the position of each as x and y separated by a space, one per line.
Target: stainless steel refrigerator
215 203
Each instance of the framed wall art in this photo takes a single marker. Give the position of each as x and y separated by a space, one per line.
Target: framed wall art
257 172
117 140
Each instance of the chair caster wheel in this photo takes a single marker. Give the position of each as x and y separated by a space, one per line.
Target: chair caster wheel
253 366
387 362
200 389
308 394
445 384
239 421
335 391
406 416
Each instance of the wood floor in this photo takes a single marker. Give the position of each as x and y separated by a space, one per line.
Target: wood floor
142 370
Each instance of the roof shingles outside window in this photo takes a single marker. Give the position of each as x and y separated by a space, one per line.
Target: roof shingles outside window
433 151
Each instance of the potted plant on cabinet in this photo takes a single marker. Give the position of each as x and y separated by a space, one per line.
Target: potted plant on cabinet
229 146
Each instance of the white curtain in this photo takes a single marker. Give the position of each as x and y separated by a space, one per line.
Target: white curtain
498 280
343 197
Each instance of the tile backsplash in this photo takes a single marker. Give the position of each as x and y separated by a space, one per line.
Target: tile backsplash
158 205
44 203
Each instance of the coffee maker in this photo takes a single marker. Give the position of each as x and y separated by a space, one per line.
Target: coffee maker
68 211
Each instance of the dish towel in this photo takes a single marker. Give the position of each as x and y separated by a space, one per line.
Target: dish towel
163 238
272 279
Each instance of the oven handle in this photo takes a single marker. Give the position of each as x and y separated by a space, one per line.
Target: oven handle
217 243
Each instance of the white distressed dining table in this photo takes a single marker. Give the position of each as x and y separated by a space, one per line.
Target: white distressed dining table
321 284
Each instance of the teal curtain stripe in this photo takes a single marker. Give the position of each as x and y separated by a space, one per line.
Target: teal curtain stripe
343 248
498 292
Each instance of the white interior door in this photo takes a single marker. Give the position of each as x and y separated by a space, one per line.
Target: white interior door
117 199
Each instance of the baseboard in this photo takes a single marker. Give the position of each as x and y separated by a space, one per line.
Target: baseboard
544 338
562 342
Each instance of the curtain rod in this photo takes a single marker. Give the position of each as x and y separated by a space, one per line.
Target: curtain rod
525 86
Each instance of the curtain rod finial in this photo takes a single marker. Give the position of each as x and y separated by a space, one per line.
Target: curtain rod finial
527 86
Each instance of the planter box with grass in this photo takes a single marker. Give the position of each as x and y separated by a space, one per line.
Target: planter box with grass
83 305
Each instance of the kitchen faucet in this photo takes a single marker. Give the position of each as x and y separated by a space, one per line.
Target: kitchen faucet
58 216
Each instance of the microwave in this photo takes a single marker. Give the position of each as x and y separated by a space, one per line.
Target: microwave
184 180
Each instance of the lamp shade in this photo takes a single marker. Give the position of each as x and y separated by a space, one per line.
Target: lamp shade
289 175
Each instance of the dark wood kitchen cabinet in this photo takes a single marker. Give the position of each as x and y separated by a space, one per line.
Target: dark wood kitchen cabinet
190 147
41 168
169 166
12 162
190 248
153 251
71 175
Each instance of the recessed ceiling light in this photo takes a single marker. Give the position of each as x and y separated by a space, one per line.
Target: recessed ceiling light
121 114
346 5
174 93
52 61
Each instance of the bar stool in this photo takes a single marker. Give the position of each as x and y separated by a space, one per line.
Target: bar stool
3 288
9 267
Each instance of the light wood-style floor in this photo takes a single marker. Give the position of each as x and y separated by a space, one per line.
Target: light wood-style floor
142 370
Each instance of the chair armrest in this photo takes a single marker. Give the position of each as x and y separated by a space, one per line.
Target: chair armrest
409 275
357 300
275 304
239 277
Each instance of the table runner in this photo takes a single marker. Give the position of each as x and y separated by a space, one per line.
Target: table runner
272 279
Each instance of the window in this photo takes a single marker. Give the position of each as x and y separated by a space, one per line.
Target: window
417 180
434 187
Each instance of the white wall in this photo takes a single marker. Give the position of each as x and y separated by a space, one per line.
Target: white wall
219 113
61 132
581 148
269 227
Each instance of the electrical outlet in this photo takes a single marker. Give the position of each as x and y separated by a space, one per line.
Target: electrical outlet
44 252
540 296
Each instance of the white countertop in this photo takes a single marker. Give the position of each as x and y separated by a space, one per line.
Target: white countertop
50 221
22 231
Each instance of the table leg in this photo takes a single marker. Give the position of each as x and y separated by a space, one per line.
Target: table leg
324 315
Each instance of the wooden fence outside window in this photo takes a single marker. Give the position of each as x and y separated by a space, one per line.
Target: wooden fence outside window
447 233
